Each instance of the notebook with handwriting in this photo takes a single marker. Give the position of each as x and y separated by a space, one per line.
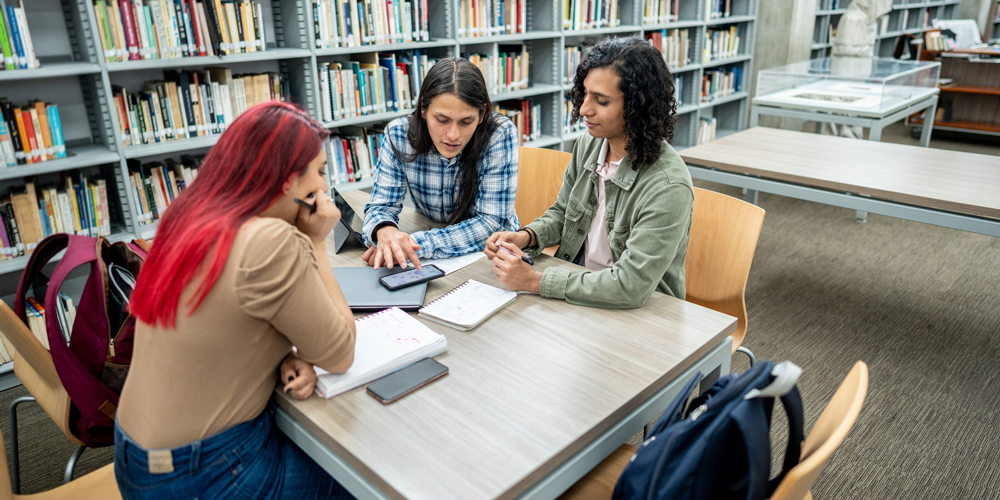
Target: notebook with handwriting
468 305
386 341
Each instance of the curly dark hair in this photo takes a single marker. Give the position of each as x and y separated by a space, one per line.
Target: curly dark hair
650 107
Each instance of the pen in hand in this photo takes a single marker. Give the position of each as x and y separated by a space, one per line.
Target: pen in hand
312 208
523 258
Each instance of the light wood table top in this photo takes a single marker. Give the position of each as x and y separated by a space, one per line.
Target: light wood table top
952 181
526 390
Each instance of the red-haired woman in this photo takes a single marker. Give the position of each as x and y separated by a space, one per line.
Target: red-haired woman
238 274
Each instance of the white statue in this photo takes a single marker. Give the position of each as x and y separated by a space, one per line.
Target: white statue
854 46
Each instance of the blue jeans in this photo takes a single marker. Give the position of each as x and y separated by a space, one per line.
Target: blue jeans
251 460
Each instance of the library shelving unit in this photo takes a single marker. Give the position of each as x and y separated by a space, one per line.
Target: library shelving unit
911 17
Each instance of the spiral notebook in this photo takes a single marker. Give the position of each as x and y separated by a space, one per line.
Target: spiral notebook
386 341
468 305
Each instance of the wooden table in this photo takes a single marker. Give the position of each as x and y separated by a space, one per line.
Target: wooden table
535 397
933 186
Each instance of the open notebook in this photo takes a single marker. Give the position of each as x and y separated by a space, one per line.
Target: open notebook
468 305
386 341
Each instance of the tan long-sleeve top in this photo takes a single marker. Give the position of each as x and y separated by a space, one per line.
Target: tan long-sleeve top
218 367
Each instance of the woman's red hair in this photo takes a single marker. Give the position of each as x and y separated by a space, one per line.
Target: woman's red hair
242 176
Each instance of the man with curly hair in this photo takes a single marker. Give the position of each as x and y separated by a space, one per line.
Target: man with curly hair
624 209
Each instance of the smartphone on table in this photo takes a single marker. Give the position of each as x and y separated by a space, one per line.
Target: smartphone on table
406 380
412 277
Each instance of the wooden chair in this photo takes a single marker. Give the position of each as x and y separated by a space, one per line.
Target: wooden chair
34 368
98 485
826 436
724 232
539 177
830 430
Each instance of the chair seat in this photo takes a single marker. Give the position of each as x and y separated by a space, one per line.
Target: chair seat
600 482
98 485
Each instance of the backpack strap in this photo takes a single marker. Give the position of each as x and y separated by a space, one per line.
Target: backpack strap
757 437
674 413
91 397
40 257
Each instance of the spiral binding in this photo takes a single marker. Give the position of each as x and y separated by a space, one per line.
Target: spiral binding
439 299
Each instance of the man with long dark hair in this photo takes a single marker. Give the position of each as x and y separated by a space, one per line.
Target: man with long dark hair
624 209
458 159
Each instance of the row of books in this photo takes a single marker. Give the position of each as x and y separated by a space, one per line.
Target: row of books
706 129
590 14
720 82
718 9
492 17
154 185
30 134
721 43
373 83
527 117
187 104
568 126
679 90
15 39
352 23
675 45
506 69
164 29
354 152
660 11
29 215
933 40
571 60
36 312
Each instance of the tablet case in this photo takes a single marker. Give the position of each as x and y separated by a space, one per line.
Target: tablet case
364 293
347 231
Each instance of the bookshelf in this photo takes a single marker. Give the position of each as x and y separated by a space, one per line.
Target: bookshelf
995 22
75 75
906 17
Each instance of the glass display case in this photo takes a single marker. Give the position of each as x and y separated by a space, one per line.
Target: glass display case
855 86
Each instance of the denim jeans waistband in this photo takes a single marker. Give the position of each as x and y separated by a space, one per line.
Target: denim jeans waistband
245 436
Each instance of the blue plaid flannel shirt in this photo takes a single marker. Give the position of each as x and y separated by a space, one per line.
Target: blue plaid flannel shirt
431 181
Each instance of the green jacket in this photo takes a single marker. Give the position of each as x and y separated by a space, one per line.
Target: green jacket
648 216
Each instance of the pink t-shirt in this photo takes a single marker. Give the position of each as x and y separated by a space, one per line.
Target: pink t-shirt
597 249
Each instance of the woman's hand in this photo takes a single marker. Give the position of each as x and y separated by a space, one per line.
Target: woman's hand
317 225
512 272
520 239
393 246
299 377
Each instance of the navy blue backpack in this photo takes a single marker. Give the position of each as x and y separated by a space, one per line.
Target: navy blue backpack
719 446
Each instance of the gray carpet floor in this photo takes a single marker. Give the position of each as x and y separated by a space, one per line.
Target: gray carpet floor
920 304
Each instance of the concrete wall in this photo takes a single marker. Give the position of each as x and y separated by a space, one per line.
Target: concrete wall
784 36
978 10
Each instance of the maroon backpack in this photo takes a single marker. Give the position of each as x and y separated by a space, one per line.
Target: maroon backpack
93 366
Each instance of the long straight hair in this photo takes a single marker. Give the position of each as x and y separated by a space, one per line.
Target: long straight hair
242 176
462 79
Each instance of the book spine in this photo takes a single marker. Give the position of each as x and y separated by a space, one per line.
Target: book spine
16 35
6 43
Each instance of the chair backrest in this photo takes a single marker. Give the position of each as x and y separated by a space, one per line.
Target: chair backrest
539 177
724 232
830 430
34 368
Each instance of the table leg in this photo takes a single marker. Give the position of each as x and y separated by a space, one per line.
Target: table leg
875 132
861 217
818 127
925 131
750 196
754 116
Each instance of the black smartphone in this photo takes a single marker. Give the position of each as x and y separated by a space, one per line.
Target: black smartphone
412 277
406 380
